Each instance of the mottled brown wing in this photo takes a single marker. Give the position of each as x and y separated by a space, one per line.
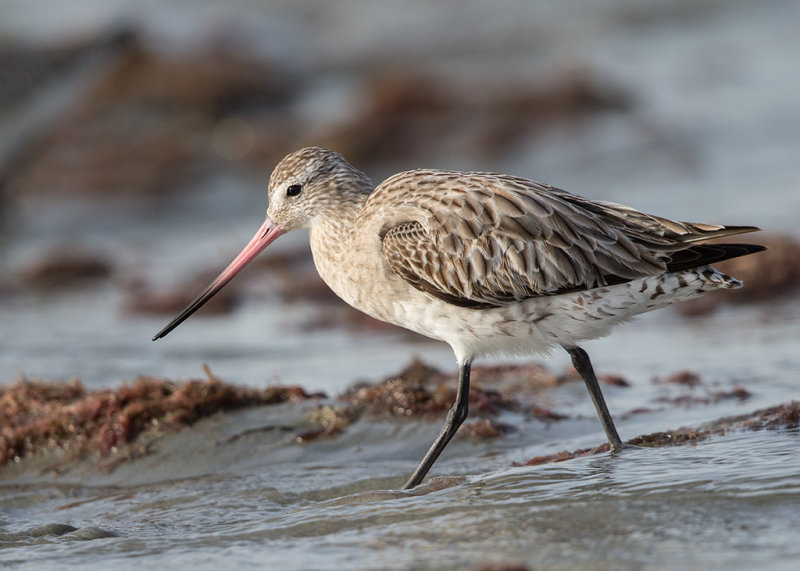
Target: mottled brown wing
479 240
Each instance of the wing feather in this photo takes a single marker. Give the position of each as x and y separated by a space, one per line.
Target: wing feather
481 240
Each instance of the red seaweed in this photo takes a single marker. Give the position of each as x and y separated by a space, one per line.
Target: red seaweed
36 415
783 416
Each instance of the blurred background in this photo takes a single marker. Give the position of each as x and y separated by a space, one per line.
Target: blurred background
136 141
137 137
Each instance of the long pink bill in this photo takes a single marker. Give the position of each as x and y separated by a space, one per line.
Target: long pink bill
267 234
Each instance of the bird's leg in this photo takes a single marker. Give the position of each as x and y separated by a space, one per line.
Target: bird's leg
456 415
580 359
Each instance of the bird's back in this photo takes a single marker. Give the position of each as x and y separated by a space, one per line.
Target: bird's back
482 240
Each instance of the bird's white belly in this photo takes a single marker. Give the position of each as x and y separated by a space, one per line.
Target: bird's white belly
533 325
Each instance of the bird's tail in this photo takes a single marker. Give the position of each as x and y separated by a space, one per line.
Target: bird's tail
698 255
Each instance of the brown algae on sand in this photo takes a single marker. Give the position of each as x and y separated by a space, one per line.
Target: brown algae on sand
36 415
422 391
783 416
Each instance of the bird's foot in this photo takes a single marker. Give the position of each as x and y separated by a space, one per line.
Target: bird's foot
624 447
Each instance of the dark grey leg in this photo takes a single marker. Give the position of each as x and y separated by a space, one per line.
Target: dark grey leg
456 415
584 367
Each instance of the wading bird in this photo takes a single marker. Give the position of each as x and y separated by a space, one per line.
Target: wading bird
488 263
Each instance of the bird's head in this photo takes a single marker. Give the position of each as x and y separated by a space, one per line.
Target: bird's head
311 183
305 186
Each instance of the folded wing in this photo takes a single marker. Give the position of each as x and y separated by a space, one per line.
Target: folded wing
481 240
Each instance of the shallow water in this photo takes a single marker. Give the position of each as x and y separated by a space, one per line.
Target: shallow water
714 136
724 503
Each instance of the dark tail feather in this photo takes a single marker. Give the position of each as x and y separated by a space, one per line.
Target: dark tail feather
704 254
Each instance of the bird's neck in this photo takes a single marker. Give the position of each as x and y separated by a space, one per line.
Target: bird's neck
332 234
334 242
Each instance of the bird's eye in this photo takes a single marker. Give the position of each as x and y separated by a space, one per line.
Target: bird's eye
294 190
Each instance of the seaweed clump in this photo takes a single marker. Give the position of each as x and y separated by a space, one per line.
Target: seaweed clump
36 415
784 416
422 391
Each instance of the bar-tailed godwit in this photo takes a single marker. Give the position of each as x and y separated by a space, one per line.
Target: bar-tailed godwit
489 263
